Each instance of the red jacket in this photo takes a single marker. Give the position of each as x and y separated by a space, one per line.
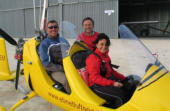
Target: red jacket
88 39
93 64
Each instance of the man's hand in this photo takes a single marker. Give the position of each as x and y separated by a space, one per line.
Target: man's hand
118 84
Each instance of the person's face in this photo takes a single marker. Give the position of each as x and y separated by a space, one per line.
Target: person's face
88 26
52 29
102 46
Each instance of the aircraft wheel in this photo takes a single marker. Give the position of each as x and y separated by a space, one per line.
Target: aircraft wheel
2 108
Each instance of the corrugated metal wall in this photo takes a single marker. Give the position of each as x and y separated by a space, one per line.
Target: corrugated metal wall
13 22
17 15
103 23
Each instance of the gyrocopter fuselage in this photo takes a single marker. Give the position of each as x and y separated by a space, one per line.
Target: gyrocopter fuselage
152 93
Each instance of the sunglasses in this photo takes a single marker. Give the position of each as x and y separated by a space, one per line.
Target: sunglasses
51 27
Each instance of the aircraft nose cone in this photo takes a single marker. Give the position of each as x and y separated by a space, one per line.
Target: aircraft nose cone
2 108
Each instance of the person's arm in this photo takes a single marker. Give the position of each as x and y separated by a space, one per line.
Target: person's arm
93 67
43 52
118 75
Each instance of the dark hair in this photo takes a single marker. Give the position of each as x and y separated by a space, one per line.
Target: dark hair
102 36
88 18
52 21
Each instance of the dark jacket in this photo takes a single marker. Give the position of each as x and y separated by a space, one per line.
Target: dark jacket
94 65
52 62
45 46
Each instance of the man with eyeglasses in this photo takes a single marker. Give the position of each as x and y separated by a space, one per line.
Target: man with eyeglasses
51 54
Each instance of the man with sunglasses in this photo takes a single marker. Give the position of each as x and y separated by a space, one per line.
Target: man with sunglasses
50 59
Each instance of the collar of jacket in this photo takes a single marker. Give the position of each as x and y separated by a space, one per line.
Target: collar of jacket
101 54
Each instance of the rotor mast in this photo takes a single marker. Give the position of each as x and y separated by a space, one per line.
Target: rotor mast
44 17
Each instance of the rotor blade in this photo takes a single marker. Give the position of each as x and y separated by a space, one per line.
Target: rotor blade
7 37
17 74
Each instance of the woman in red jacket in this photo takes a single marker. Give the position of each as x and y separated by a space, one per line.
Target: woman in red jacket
88 36
103 79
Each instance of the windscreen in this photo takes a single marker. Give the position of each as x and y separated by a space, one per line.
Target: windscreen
136 55
68 31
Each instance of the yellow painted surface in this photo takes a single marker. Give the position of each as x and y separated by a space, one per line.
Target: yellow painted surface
82 98
5 73
154 97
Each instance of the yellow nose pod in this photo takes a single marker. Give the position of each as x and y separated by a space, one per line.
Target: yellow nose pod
2 108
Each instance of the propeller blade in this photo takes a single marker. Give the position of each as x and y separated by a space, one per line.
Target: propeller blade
7 37
17 74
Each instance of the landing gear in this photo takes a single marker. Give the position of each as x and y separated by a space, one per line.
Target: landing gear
25 99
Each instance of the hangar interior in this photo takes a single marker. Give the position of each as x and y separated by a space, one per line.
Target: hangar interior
146 10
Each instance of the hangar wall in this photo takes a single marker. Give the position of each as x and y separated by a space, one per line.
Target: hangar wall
17 15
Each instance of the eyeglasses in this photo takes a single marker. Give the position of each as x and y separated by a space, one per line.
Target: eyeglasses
51 27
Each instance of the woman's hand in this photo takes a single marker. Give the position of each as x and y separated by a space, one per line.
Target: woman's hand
118 84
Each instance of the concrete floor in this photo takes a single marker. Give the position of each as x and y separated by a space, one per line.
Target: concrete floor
9 96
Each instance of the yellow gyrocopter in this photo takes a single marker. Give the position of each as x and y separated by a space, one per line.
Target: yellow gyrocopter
5 73
152 93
